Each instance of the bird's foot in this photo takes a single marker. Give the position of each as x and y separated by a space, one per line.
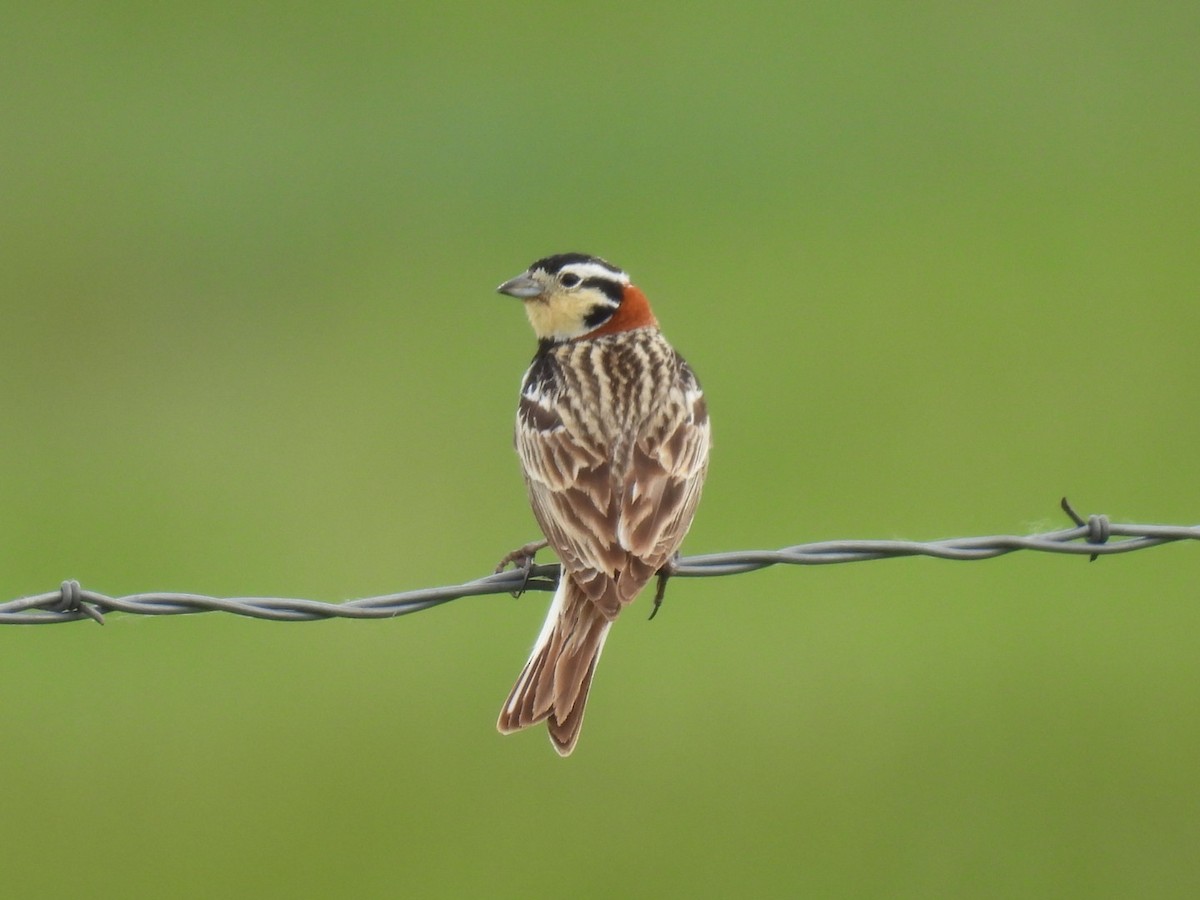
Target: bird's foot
522 559
664 574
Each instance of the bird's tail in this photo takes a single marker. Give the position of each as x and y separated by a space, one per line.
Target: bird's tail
554 683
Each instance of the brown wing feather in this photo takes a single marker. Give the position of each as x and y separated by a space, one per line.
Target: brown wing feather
615 522
614 454
660 497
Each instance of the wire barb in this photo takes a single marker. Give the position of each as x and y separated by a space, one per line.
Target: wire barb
71 602
1092 537
1097 526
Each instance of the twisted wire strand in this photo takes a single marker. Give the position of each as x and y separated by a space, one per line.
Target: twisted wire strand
1092 537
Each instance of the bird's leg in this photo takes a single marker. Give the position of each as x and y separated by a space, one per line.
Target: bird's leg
522 558
669 568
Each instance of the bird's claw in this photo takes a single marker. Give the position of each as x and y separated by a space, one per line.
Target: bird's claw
522 559
668 569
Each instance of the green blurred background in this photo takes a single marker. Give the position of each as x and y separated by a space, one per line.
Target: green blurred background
937 265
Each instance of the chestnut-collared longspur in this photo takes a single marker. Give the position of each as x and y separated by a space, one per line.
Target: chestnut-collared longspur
613 436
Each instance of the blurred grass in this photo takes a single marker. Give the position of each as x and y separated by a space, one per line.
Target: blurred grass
936 266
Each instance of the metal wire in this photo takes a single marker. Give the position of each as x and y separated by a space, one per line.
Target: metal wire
1090 537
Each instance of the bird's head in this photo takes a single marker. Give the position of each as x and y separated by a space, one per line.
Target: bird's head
573 295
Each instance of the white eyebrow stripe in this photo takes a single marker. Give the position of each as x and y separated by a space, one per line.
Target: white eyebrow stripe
587 270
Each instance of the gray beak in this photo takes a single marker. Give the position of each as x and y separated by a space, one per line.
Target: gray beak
522 287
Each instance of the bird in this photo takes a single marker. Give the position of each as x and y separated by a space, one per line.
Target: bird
613 436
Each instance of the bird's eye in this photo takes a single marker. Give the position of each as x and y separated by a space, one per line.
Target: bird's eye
568 280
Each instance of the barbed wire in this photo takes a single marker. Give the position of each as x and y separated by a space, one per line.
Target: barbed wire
1091 537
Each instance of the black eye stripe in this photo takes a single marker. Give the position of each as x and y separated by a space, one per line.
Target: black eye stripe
611 289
